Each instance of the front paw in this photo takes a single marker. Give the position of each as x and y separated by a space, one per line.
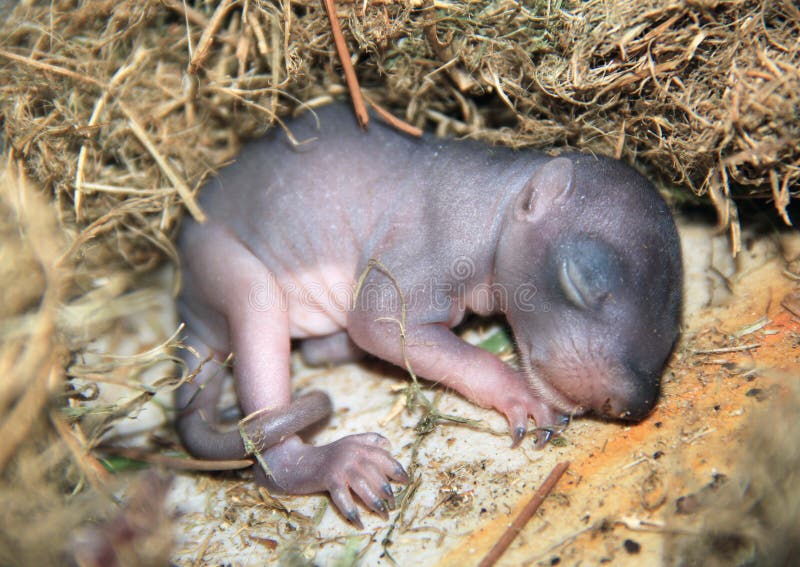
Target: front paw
517 401
359 464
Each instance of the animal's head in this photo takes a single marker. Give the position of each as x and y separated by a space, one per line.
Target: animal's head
597 249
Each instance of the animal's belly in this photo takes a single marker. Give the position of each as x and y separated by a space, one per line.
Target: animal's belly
318 301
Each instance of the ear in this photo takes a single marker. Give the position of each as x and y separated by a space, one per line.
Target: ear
547 189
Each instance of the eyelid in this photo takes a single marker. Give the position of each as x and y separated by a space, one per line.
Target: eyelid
588 271
571 280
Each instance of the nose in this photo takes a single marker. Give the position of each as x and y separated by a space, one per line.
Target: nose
636 409
635 400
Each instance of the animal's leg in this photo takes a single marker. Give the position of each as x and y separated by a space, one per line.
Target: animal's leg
240 305
437 354
198 421
196 404
337 348
248 296
361 463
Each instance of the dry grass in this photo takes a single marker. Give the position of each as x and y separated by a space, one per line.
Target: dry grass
113 112
753 517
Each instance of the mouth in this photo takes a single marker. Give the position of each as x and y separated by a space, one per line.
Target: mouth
554 396
538 382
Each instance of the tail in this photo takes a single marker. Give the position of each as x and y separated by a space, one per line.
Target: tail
202 434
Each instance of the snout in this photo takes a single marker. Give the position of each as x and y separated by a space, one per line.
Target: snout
609 389
630 397
634 408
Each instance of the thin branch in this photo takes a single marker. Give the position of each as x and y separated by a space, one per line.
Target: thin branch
50 68
524 516
349 73
181 186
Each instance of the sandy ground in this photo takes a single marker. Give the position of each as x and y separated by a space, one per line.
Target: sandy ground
615 503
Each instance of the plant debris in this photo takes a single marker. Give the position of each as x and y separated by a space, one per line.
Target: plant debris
113 113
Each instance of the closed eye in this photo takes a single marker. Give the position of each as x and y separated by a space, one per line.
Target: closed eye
571 280
585 276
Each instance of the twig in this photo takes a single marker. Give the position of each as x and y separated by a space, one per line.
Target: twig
723 350
753 327
702 433
347 65
393 120
207 38
122 73
635 463
172 175
20 420
177 463
238 94
524 516
50 68
196 17
198 561
94 472
373 263
569 539
463 81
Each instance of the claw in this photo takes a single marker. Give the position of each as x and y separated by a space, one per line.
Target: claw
518 435
389 494
354 518
543 435
355 470
380 508
400 474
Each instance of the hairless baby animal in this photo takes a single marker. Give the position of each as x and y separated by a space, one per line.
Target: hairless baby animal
579 252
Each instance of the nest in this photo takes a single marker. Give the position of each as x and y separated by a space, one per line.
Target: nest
114 112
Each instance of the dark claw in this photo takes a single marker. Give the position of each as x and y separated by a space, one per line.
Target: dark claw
564 420
401 474
353 517
387 491
543 435
380 508
518 435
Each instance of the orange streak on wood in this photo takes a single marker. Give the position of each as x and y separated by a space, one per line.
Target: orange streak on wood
349 73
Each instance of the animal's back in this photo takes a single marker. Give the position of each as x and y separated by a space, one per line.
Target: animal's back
317 201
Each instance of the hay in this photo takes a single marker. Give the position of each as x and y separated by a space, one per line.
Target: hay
751 518
114 112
